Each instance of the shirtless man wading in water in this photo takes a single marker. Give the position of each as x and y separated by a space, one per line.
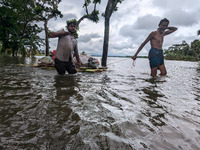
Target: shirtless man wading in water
156 38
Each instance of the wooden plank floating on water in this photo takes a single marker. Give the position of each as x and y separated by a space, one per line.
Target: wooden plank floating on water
82 69
85 69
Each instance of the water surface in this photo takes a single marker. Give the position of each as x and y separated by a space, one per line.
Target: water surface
122 108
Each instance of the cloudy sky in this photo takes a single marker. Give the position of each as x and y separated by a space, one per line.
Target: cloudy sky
131 24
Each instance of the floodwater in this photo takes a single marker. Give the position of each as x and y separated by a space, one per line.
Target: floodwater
122 108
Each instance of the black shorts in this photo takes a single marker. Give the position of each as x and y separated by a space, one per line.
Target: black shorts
156 57
63 66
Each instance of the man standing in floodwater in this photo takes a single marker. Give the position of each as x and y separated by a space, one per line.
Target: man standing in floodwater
156 38
65 48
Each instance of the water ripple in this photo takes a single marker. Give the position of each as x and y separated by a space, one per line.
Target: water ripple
121 108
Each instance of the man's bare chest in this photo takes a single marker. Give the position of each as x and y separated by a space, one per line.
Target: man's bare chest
158 38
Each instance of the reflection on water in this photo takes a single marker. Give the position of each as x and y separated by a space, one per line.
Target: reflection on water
63 122
152 95
121 108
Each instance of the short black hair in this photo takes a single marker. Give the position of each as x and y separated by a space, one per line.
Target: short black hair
163 20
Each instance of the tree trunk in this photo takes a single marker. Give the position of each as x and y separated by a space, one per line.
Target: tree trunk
105 43
109 10
13 53
3 48
81 19
46 37
5 45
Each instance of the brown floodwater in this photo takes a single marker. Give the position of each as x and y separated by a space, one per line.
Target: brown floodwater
122 108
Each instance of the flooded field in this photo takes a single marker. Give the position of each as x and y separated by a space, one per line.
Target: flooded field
122 108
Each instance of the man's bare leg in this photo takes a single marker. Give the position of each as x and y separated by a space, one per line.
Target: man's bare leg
154 71
163 70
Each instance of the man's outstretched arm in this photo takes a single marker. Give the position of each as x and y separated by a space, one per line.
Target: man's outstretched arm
58 34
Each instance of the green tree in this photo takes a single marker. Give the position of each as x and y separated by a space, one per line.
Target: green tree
8 21
17 25
110 8
93 15
46 10
195 46
179 52
27 28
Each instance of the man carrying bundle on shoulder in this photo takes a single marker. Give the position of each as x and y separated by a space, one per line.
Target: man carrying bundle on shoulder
65 48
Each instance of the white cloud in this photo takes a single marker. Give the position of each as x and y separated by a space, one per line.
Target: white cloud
131 24
147 22
88 37
182 17
91 47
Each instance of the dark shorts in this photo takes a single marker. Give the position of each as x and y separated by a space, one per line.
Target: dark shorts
63 66
156 57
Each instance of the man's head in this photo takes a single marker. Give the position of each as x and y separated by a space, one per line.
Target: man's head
71 26
163 20
163 24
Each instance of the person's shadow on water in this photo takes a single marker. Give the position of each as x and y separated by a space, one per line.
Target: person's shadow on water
66 86
152 96
64 123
